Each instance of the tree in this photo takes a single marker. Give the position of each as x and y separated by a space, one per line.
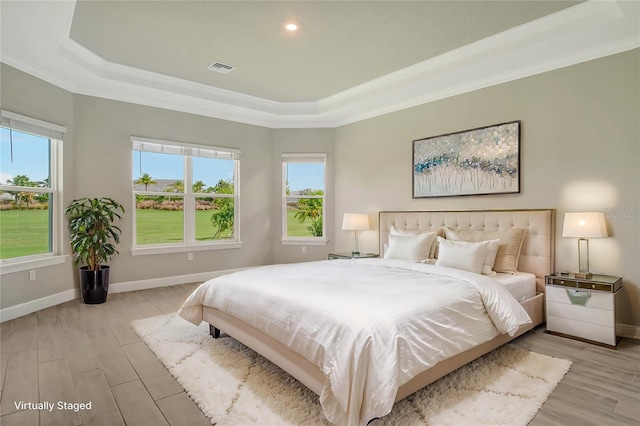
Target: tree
199 186
311 208
177 186
223 215
22 180
145 180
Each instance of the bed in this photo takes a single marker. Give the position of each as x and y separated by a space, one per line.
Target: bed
359 377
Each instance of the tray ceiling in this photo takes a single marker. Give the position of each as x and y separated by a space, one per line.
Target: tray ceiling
348 60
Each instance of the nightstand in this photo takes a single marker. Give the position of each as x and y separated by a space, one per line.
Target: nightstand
583 309
352 256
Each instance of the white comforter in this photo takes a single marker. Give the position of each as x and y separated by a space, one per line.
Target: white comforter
369 324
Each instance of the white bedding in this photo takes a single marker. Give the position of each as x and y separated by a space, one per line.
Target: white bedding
369 324
521 286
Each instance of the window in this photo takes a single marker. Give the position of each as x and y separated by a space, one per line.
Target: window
303 198
31 214
185 196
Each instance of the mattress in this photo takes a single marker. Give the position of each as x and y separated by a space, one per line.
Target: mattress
522 286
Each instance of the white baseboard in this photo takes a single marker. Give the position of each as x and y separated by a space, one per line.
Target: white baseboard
13 312
168 281
22 309
628 330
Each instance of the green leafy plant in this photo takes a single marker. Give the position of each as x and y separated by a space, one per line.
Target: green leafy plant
311 208
223 215
93 234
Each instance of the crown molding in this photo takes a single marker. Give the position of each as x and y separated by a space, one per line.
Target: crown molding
584 32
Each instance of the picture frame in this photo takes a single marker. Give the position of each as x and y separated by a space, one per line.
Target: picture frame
480 161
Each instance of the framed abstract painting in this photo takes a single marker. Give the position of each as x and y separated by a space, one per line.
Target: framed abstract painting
479 161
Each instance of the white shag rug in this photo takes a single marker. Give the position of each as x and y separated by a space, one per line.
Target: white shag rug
233 385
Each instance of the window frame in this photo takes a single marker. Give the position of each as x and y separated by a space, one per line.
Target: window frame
55 134
188 151
303 158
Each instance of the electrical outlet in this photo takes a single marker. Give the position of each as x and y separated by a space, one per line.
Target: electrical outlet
189 256
32 275
304 250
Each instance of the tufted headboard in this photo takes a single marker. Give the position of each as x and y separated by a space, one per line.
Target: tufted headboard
538 248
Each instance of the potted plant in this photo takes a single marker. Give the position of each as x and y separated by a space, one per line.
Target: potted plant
93 240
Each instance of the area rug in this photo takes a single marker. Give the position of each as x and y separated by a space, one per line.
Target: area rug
233 385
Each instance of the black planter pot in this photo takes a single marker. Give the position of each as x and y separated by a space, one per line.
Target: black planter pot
94 284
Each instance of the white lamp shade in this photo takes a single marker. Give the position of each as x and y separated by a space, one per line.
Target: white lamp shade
584 225
355 222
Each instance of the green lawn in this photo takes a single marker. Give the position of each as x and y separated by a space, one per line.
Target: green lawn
165 226
294 227
25 232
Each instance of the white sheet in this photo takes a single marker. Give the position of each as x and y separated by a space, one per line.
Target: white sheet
369 324
521 286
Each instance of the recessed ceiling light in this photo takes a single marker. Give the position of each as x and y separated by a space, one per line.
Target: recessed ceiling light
291 27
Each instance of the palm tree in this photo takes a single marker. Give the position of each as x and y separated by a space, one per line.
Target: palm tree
21 180
199 186
177 186
145 180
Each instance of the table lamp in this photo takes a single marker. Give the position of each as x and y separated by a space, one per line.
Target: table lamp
584 226
355 222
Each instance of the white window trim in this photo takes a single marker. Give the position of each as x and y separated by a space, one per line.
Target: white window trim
188 151
32 263
303 158
55 134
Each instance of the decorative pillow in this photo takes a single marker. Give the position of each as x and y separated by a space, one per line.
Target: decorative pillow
469 256
509 249
410 247
404 232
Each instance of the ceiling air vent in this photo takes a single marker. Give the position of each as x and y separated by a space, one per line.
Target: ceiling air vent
221 68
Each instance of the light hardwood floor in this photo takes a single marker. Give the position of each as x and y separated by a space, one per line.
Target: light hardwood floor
76 352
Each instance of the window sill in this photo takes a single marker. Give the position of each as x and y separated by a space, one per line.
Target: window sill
11 267
144 251
304 242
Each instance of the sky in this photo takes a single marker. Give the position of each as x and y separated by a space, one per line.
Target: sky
27 155
164 166
210 171
305 175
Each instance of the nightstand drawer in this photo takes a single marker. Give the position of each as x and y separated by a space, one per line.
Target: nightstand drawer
595 300
580 313
561 282
594 332
596 286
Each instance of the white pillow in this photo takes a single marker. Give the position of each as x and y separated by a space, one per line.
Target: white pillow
463 255
490 259
404 232
410 247
509 248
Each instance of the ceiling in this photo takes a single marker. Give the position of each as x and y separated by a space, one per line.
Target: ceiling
348 61
339 44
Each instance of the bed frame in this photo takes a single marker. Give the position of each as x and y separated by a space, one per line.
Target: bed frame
537 257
